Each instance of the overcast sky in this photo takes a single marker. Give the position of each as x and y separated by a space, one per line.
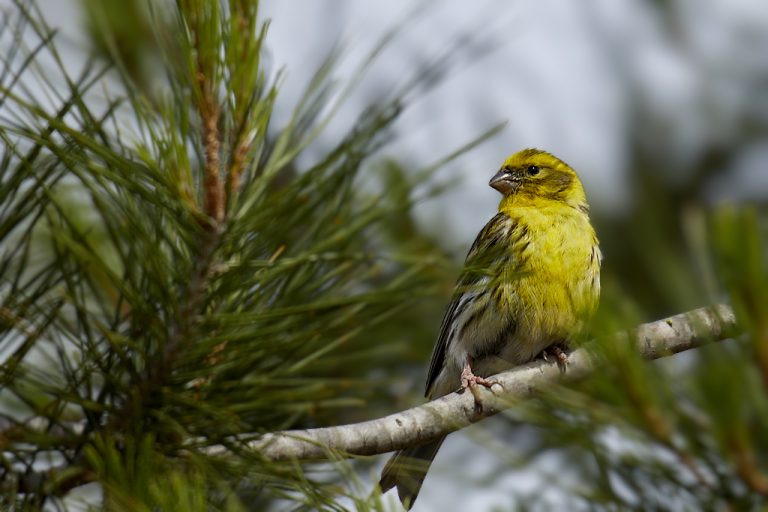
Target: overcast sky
561 73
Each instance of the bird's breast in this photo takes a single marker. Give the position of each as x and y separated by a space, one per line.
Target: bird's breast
554 283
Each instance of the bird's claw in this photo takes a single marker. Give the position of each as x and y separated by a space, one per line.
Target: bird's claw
469 379
560 355
561 358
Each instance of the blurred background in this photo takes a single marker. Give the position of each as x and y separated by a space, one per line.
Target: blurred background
661 106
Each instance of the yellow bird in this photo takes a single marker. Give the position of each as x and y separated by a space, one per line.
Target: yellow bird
530 281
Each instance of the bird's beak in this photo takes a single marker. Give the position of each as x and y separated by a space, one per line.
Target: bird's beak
504 182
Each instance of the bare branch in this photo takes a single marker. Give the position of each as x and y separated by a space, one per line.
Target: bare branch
458 410
455 411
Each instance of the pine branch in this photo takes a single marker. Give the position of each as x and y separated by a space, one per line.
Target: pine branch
458 410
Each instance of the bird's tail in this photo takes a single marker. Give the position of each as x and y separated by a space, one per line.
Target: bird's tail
406 471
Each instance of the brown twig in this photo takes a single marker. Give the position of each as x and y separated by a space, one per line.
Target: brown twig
242 149
208 109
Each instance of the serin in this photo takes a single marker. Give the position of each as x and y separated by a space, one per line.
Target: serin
530 282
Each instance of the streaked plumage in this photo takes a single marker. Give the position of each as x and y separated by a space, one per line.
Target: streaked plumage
530 280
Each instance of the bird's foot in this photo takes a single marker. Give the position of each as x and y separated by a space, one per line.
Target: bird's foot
561 358
471 382
469 379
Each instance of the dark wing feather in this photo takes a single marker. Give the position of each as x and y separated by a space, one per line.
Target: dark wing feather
483 250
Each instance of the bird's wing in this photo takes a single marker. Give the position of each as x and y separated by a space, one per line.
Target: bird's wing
491 240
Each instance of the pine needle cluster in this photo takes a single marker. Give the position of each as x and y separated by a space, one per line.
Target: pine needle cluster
175 269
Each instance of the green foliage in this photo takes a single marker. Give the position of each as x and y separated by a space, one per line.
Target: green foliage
173 271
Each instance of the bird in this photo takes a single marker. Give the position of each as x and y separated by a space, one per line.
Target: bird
530 283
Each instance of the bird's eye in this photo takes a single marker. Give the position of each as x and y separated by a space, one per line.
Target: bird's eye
533 170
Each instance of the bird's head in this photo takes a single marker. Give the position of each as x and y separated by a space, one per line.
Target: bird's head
532 175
